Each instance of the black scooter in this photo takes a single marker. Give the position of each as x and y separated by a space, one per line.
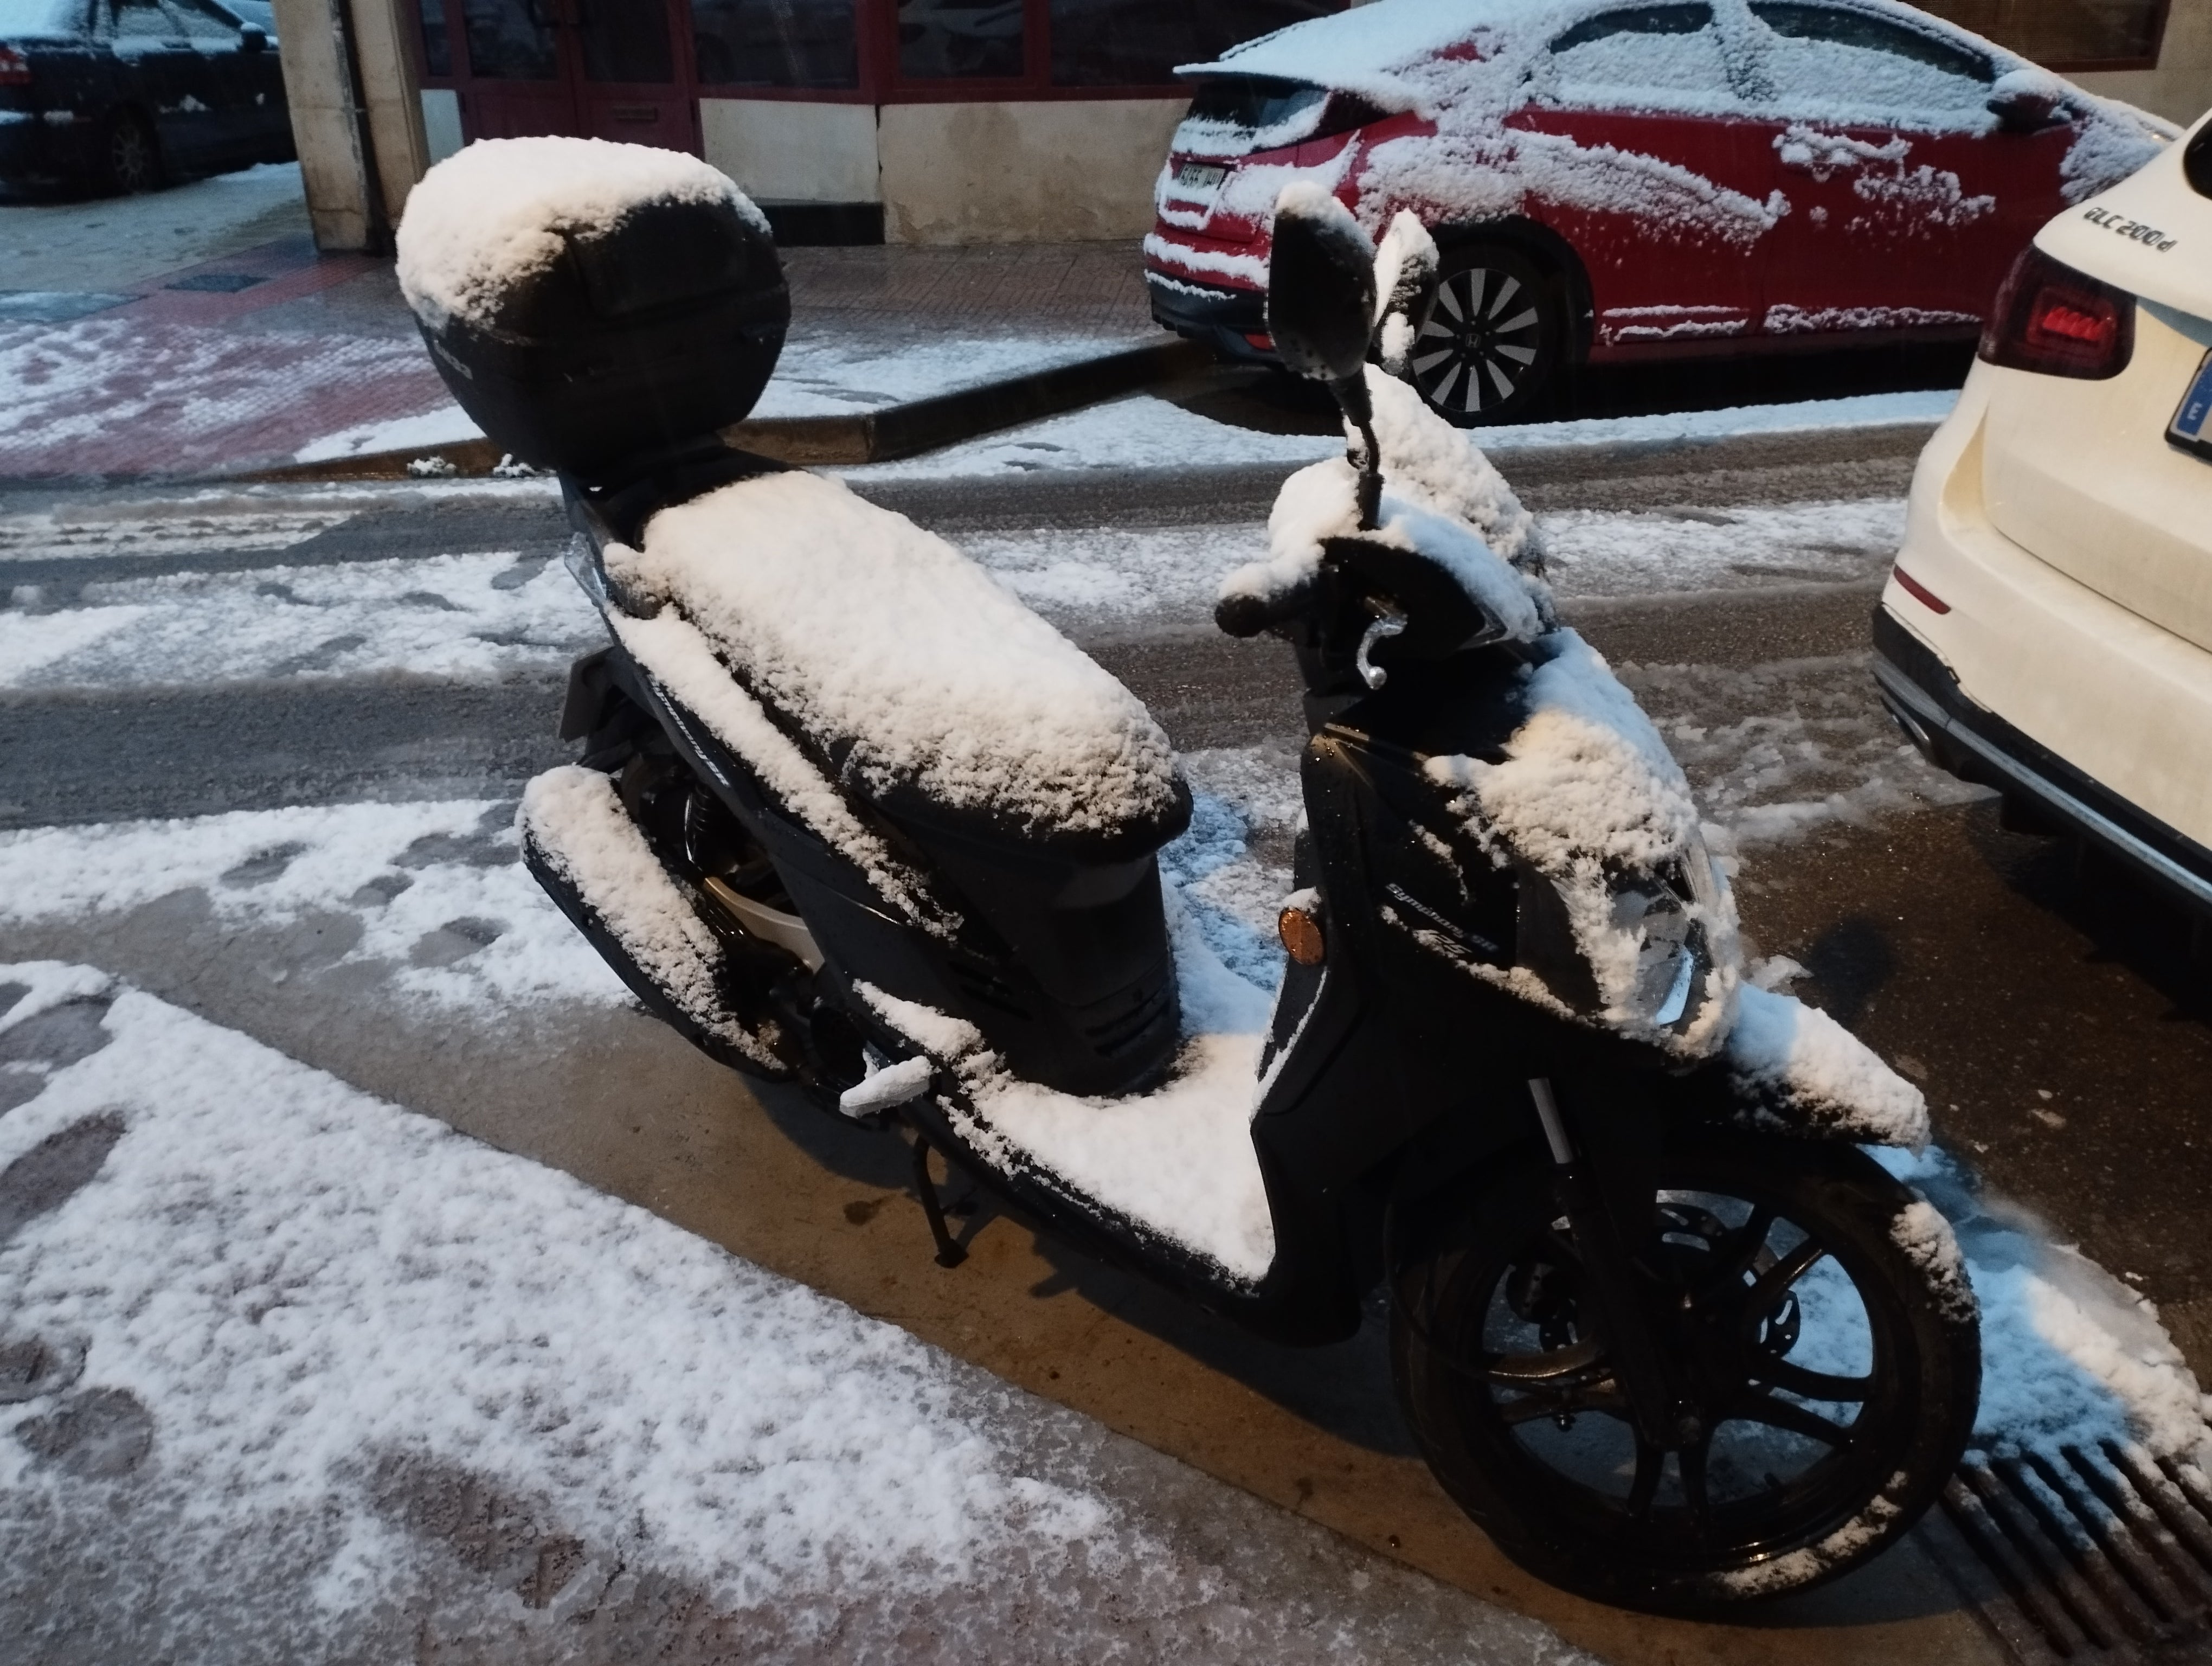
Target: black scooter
1657 1323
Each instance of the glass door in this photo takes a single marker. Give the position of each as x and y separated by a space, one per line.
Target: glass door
513 80
629 84
596 69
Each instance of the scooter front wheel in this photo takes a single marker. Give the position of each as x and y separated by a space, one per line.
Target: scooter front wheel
1831 1361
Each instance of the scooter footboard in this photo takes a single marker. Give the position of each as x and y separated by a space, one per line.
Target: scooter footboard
579 843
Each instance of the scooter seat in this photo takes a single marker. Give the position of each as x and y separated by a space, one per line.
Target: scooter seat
915 677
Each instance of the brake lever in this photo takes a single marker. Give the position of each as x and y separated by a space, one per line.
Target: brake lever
1385 626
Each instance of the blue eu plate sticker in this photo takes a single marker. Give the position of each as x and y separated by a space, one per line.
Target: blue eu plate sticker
2191 426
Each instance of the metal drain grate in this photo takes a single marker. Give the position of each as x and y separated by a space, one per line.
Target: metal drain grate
2103 1556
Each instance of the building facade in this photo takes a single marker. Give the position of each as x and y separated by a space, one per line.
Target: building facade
921 121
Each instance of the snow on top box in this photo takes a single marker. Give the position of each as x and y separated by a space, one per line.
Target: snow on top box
594 307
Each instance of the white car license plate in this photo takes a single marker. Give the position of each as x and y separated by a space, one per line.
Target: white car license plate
1201 176
2191 426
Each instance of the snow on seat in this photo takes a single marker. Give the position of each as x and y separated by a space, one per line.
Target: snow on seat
909 669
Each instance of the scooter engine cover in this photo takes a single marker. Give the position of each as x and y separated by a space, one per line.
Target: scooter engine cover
593 305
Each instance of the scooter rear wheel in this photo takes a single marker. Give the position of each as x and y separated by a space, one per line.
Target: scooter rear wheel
1835 1375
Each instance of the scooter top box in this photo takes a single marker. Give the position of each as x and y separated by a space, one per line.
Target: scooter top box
593 305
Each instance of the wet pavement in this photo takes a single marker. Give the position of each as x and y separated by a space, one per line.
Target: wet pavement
2053 1013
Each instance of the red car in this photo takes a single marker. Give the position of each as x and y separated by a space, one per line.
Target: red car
1612 182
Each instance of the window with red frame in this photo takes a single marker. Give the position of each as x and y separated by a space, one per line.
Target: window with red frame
884 49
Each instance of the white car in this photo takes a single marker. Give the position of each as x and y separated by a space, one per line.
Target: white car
2047 629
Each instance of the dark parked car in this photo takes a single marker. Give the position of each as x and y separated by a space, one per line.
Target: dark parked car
124 94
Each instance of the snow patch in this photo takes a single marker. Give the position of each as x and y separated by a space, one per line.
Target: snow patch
1441 498
304 1288
573 818
902 658
449 425
1588 792
2070 1356
430 894
683 662
1177 1161
1820 1076
480 617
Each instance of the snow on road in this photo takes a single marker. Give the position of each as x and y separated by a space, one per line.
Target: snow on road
482 615
465 618
1147 432
289 1373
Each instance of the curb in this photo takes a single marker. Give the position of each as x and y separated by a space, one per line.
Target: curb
872 436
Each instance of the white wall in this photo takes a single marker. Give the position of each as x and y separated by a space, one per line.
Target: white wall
783 151
1045 172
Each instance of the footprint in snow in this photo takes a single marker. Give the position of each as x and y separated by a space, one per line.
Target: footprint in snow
456 939
99 1434
32 1367
263 866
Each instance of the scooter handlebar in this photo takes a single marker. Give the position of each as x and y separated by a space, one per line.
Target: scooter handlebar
1246 615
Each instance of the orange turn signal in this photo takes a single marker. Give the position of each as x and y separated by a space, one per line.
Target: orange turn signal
1301 935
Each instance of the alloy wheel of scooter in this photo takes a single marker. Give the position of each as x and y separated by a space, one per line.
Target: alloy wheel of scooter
1487 350
1834 1381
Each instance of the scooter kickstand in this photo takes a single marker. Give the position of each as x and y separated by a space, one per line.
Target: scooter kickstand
949 1254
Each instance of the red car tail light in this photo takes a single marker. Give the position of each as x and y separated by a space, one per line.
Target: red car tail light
14 68
2052 319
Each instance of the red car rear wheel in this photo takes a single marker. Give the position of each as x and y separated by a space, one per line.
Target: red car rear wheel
1488 348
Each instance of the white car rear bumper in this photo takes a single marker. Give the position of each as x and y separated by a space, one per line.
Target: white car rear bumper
2030 682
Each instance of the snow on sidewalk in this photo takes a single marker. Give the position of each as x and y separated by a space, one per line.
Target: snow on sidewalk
431 893
818 374
289 1373
114 395
430 897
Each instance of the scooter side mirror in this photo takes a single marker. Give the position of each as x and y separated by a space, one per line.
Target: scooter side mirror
1321 311
1321 286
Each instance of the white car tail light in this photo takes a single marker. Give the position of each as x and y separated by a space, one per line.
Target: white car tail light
2052 319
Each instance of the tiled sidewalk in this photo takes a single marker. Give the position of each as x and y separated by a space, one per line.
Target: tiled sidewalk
108 366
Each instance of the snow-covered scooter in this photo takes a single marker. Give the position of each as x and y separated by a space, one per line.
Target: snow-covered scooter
848 816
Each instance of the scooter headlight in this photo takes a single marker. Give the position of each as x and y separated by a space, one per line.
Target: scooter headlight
1670 956
1663 912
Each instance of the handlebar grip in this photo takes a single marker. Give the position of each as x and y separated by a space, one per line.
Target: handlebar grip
1244 615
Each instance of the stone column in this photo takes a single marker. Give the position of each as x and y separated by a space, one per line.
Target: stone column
357 115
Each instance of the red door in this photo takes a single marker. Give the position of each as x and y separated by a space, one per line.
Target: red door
598 68
1664 201
1906 202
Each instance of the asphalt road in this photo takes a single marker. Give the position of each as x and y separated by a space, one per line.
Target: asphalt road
2053 1013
